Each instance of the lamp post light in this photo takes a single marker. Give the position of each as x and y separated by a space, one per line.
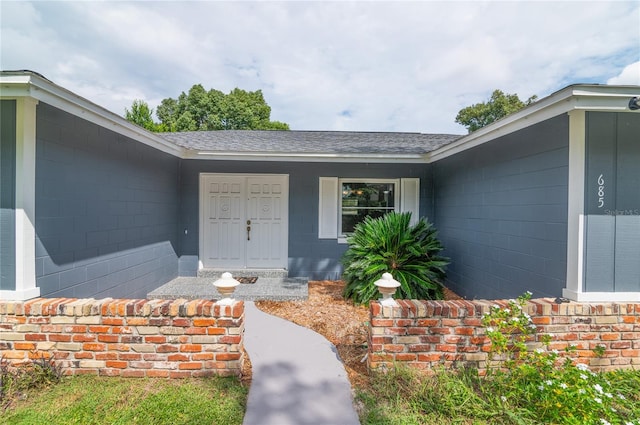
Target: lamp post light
387 286
226 285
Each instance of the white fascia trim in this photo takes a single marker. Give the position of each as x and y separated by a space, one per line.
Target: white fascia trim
601 296
306 157
15 86
580 97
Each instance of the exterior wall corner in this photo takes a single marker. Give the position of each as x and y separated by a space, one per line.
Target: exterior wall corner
575 210
25 176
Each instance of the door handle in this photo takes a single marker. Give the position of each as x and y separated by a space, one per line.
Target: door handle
248 233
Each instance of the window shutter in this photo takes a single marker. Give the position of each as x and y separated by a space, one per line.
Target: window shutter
410 198
328 208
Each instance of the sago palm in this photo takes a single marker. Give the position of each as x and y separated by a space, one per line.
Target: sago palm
391 244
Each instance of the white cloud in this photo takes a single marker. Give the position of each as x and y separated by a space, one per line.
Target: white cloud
394 66
629 75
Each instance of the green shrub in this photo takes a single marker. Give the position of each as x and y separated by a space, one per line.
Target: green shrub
548 383
509 329
391 244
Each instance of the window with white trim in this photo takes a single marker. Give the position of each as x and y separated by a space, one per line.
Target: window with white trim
362 198
345 202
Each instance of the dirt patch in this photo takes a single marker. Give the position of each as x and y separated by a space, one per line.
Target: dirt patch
338 320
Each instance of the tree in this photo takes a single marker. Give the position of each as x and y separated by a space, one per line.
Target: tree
141 115
498 106
213 110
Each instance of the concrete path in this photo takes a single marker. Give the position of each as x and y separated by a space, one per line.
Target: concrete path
298 378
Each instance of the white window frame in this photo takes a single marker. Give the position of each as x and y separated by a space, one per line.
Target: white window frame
341 181
406 198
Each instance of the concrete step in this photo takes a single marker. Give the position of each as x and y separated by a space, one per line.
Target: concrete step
270 273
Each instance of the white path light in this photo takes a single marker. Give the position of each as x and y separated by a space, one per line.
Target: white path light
387 286
226 285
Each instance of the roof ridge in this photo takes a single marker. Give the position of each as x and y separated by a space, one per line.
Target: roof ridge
415 133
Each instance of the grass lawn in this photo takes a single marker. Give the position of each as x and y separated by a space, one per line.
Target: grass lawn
535 391
105 400
401 397
406 397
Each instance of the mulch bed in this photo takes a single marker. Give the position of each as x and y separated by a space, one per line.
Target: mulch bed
340 321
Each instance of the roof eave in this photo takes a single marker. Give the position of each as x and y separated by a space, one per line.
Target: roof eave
13 86
585 97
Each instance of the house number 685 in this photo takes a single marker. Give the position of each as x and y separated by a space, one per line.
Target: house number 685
600 191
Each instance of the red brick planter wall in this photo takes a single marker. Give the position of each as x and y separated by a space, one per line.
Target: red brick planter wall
130 338
428 334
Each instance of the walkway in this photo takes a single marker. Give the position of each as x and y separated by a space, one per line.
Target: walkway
298 378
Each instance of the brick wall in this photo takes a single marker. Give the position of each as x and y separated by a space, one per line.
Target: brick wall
428 334
124 337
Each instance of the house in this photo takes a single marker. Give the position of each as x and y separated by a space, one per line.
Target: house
547 199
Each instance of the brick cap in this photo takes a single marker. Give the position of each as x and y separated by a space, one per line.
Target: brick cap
468 308
120 307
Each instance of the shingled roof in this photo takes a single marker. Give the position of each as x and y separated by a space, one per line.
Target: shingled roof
309 142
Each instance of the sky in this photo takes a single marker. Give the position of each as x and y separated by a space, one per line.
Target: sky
344 66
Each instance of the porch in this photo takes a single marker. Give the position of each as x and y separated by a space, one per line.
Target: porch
256 285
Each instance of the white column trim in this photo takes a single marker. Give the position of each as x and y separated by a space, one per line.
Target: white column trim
25 243
575 215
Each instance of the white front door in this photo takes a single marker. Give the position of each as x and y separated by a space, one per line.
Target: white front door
244 220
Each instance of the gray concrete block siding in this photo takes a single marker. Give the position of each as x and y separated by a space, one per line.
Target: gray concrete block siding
7 194
117 218
106 210
308 256
501 212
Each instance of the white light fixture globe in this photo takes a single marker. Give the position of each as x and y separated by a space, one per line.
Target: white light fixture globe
387 286
226 285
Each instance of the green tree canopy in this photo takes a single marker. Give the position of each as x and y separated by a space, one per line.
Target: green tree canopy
498 106
141 114
213 110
